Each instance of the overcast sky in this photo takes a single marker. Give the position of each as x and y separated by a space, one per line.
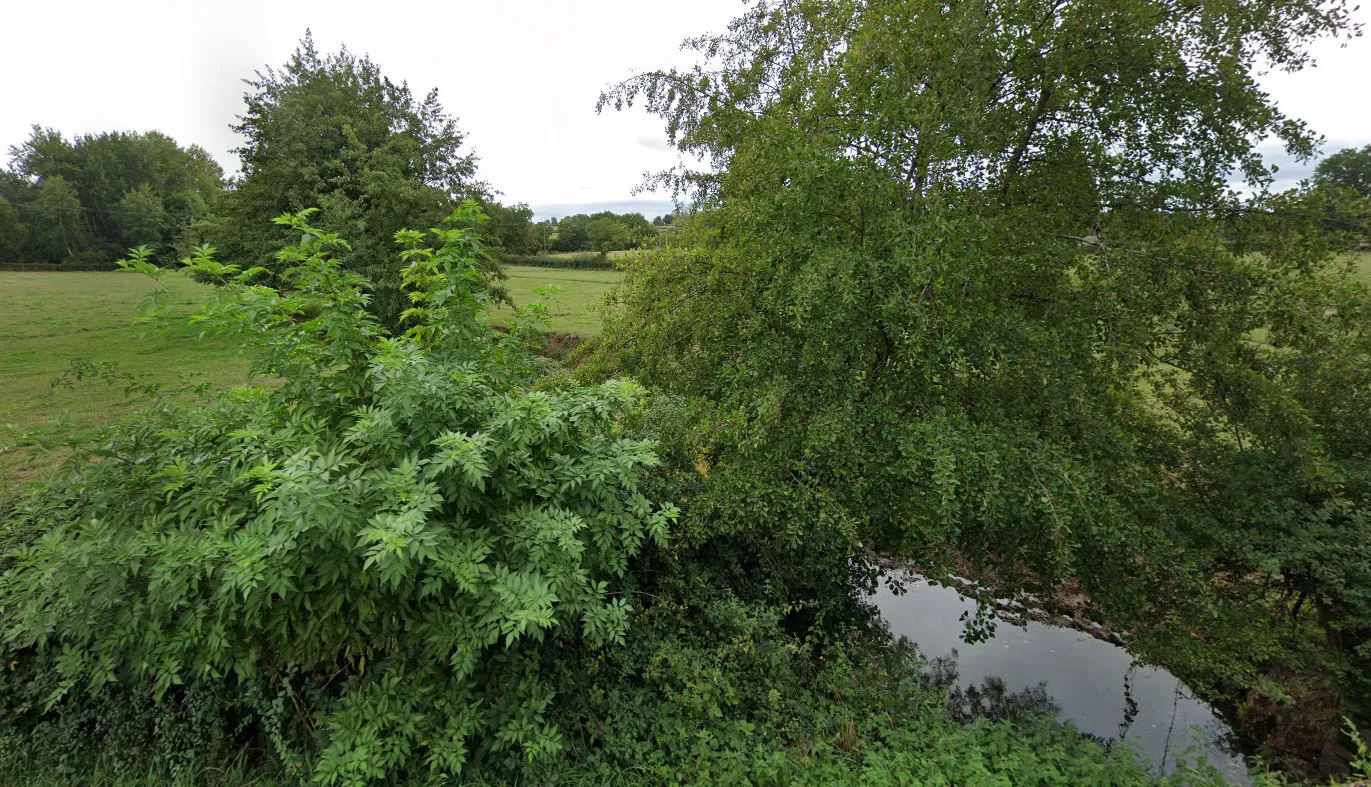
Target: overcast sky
522 76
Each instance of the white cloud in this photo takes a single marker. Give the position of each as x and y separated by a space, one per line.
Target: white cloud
522 76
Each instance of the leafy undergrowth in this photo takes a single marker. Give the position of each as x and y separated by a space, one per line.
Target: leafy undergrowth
416 559
387 525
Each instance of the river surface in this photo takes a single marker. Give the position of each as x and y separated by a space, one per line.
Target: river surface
1096 685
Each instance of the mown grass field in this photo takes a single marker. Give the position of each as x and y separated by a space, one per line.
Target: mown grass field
573 309
49 320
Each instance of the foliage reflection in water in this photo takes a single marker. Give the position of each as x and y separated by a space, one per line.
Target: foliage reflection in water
1091 683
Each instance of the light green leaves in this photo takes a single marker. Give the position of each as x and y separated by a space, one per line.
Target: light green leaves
463 453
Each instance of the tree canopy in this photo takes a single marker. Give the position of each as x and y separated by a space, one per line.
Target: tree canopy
603 231
972 287
1349 169
330 131
511 229
97 195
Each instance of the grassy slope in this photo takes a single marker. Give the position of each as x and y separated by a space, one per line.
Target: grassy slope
51 319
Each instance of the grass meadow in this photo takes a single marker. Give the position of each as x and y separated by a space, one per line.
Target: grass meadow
573 309
49 320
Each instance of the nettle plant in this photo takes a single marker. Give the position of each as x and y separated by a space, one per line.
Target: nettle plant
389 530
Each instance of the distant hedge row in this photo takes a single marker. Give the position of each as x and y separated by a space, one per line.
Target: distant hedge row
592 261
45 267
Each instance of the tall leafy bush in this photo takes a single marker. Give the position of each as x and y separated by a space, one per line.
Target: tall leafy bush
387 526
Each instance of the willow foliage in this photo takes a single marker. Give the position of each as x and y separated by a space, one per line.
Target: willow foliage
974 288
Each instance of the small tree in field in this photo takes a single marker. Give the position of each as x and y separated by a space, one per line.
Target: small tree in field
331 131
392 529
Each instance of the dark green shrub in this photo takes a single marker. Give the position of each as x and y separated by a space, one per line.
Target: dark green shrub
597 261
90 259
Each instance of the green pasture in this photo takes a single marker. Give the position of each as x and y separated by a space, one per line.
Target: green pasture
573 310
49 320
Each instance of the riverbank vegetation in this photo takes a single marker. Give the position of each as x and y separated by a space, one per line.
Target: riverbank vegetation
989 308
484 554
964 287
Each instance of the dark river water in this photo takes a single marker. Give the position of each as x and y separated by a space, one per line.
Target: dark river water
1096 685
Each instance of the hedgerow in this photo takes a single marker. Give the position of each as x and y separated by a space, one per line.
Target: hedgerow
597 261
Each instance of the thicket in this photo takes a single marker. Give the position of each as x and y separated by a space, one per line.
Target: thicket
972 288
415 556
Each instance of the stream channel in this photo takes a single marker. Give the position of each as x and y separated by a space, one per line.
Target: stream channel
1096 685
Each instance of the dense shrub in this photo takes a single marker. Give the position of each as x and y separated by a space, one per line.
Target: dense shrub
386 529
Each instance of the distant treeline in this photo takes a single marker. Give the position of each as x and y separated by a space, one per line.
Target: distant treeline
512 228
82 202
597 261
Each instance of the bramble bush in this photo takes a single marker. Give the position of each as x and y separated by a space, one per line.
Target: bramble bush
360 555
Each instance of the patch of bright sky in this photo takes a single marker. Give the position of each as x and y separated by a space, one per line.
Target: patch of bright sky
521 76
1333 97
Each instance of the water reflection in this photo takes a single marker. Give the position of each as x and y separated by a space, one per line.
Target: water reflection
1094 684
